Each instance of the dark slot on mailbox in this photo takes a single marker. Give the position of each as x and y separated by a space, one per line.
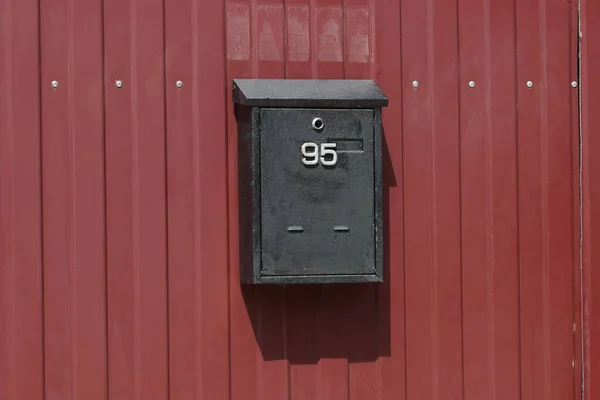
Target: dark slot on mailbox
347 145
310 180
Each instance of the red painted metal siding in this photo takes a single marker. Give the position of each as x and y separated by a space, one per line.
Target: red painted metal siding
118 205
590 123
73 194
21 295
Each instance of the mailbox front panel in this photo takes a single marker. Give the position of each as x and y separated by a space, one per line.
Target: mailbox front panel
317 191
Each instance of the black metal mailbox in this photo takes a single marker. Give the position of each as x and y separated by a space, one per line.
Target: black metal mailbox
310 180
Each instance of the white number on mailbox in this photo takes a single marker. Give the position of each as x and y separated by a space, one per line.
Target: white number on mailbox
310 154
327 149
310 151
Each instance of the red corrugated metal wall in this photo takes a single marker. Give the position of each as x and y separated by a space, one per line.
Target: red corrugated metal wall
118 203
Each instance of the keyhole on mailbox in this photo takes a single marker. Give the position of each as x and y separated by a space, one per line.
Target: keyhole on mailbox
317 124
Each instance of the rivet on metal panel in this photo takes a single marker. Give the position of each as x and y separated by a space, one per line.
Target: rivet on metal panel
54 84
179 84
529 84
574 84
415 84
119 83
472 84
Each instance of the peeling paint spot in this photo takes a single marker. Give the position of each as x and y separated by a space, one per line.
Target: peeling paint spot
238 31
270 23
357 24
298 36
329 21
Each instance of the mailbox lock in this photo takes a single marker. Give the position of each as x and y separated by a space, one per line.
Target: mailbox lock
317 124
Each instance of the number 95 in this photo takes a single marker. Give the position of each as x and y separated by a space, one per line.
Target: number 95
310 154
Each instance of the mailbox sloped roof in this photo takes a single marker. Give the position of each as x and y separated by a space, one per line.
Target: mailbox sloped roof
343 93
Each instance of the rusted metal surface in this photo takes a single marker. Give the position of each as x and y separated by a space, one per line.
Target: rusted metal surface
119 207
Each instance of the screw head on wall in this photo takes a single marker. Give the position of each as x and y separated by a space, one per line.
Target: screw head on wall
54 84
415 84
529 84
179 84
472 84
119 83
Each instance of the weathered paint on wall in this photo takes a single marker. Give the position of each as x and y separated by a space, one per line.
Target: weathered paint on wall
118 205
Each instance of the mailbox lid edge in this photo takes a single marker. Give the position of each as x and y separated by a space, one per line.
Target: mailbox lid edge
325 93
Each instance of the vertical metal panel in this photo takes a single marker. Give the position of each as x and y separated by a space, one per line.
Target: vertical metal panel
547 146
136 199
391 296
489 201
197 198
255 48
315 321
361 319
267 29
432 200
578 350
244 351
73 200
590 140
21 330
